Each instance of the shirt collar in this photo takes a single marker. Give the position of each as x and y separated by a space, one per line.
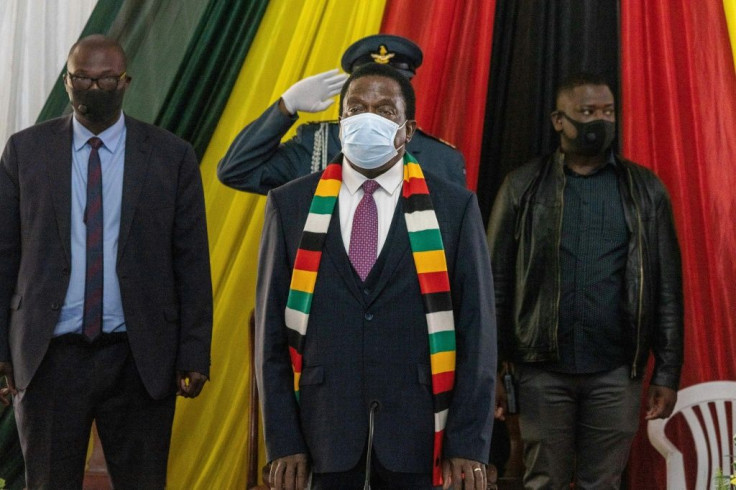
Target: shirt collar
610 160
390 180
110 137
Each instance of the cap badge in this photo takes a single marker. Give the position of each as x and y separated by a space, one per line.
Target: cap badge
383 57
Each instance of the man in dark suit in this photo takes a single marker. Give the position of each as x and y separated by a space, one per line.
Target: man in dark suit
105 286
371 300
257 161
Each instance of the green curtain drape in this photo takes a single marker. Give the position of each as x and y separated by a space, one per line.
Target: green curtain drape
100 20
155 36
209 70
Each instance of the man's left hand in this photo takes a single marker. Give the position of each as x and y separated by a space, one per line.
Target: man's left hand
457 470
189 383
660 403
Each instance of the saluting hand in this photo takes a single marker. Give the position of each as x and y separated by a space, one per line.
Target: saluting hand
313 94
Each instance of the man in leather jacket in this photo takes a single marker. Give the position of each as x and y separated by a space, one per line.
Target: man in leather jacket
587 275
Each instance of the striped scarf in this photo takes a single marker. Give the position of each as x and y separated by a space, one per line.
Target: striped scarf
429 259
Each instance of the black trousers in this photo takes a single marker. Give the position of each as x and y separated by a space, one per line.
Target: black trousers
77 383
381 478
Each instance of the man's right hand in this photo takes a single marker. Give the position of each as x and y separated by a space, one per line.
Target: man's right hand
6 369
313 94
290 472
501 396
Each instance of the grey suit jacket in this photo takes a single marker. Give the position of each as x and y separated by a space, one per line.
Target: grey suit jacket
163 257
368 342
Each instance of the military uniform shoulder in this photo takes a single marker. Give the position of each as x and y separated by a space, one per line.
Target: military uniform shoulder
422 133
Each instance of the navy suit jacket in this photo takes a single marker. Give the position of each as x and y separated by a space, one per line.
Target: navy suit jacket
163 256
366 345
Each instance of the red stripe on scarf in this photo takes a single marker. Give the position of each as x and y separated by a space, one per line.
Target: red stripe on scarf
442 382
307 260
415 186
333 171
296 360
437 458
434 282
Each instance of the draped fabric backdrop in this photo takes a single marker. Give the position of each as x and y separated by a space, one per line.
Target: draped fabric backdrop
679 118
535 45
35 36
204 69
456 39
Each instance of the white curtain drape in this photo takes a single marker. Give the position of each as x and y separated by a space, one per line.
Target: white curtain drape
35 37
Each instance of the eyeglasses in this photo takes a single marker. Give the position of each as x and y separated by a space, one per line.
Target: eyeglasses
108 83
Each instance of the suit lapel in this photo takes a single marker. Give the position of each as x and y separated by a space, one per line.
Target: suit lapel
335 250
137 153
57 155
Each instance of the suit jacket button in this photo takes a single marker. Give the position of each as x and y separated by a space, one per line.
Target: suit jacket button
55 306
369 316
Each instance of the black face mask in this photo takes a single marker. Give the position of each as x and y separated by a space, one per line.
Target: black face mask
98 106
593 137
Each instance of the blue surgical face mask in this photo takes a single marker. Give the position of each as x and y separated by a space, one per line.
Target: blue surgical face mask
368 139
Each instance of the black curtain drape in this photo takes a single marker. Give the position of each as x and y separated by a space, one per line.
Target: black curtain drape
535 45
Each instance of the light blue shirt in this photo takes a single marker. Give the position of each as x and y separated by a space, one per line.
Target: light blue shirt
112 159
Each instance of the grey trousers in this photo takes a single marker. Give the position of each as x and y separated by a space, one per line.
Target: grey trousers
576 427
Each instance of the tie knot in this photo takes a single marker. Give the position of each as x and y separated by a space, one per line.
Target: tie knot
95 142
370 186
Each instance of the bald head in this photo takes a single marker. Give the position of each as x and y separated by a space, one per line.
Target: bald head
98 42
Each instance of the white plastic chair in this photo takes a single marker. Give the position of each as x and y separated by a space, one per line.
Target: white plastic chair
713 441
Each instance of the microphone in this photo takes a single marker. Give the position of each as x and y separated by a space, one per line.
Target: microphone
82 109
375 407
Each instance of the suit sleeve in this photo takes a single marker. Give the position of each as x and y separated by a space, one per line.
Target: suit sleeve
192 269
9 241
470 418
257 161
282 429
503 248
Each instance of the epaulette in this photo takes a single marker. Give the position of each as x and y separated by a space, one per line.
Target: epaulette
436 138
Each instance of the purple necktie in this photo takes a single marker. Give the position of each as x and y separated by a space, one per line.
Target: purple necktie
92 322
364 235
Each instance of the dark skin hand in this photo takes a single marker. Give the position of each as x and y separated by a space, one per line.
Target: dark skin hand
6 369
459 473
660 402
189 383
290 472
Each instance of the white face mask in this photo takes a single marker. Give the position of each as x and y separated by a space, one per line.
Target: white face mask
368 139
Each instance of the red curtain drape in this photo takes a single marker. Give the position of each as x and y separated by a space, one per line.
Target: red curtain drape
452 82
679 118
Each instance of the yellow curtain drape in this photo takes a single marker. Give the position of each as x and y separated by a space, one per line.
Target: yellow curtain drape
296 38
729 6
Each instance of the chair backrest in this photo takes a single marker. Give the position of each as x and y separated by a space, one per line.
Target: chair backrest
707 408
